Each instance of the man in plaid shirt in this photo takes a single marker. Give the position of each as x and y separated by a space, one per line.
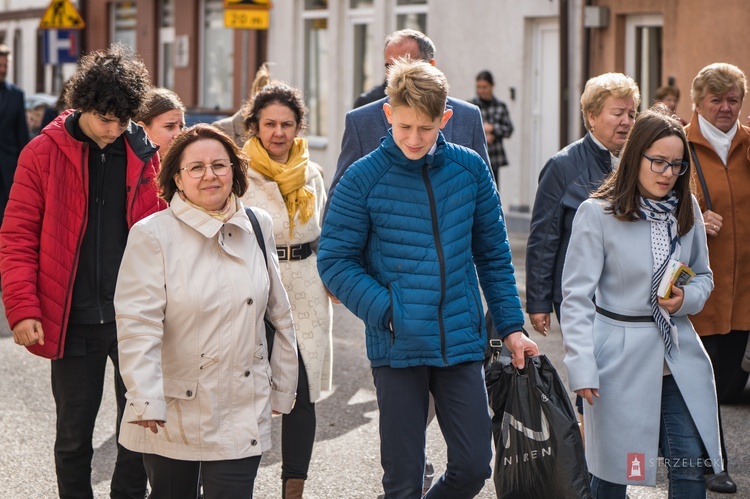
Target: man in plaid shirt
497 124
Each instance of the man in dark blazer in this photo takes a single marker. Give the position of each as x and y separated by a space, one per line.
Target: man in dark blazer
366 125
14 132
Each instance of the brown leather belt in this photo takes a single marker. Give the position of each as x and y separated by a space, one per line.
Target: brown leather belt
294 252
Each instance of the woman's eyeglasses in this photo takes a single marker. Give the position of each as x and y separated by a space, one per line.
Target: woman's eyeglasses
661 165
197 170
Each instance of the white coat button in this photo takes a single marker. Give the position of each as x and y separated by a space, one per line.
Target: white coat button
189 393
249 301
253 442
247 373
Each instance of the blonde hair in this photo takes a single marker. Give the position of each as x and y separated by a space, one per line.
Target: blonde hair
418 85
605 85
262 78
717 78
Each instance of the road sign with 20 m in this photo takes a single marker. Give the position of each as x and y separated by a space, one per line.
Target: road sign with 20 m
247 14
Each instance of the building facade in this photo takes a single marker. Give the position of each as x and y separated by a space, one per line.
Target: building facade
184 44
657 41
541 52
333 49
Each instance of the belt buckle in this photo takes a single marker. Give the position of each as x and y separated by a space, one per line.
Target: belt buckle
282 252
296 252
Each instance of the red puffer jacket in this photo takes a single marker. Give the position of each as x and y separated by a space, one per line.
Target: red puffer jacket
46 216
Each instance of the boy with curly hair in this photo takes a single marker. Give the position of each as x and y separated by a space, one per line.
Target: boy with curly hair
79 187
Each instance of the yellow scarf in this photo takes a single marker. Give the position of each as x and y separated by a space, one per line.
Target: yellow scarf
291 177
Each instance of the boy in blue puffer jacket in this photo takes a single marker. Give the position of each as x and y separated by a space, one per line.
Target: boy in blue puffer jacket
409 228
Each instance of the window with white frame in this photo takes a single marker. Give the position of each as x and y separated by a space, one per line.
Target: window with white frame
124 23
217 54
411 14
361 16
316 57
18 56
643 53
166 43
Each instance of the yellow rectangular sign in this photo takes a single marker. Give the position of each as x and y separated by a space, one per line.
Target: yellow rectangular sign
246 18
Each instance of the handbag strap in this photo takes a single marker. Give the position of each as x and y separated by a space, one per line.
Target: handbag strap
701 178
258 233
270 328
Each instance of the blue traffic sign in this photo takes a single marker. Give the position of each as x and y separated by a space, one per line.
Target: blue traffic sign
61 46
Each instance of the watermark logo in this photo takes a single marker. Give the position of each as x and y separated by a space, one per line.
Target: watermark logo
635 466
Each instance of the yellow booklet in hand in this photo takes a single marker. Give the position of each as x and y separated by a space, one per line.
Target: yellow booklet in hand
677 274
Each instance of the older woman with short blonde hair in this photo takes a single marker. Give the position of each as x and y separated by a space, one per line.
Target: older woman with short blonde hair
720 153
608 106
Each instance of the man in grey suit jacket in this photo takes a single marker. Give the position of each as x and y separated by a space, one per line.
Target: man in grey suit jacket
14 132
365 126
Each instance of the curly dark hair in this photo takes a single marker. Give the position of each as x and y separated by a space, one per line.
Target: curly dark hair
170 165
275 93
112 81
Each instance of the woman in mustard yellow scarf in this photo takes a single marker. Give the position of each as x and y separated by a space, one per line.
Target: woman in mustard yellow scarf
284 182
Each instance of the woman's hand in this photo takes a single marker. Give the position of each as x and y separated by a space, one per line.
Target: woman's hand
28 332
713 222
540 323
674 302
151 424
588 394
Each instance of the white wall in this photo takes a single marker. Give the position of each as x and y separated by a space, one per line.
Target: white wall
496 40
470 35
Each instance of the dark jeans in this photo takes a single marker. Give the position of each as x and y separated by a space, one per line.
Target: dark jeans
77 386
681 446
175 479
298 431
726 352
463 414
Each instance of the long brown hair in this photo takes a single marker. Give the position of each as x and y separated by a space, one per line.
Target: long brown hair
621 188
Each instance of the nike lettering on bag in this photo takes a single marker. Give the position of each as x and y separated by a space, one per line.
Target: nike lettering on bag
509 420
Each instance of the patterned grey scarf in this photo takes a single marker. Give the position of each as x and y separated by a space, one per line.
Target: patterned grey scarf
665 245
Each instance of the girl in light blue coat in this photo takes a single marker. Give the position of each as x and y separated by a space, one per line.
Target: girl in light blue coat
635 357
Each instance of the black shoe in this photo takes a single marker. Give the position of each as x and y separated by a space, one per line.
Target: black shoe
722 483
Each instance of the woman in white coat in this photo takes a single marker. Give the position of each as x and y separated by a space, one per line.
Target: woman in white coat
284 182
634 357
191 296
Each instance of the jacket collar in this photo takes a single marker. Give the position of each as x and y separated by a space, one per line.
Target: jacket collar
595 150
60 131
694 135
134 134
204 223
396 157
